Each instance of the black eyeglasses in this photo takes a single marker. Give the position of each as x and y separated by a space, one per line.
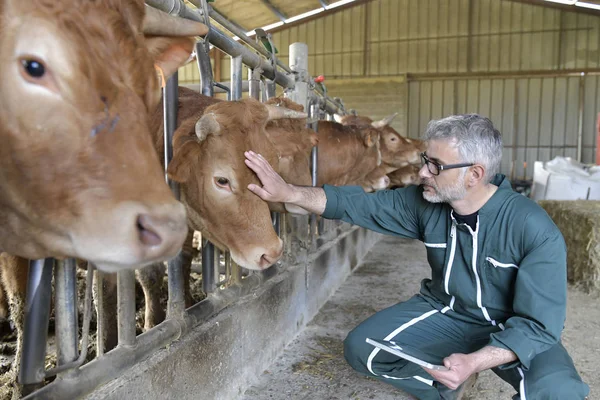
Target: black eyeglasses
435 167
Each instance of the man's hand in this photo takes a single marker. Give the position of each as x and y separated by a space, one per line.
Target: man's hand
460 368
274 188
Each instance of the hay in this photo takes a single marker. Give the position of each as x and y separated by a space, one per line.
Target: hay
579 222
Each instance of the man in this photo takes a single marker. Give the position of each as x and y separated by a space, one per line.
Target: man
497 295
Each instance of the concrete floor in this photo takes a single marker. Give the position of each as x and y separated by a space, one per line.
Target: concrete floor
312 366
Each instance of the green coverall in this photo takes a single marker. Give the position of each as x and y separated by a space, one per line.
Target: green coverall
502 284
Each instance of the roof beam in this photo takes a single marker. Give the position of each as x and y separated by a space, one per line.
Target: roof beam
240 27
564 7
274 10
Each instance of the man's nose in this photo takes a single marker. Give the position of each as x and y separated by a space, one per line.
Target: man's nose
424 172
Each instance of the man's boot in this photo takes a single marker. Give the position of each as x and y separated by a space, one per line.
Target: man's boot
448 394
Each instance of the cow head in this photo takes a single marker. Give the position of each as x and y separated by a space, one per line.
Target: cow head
396 150
78 173
405 176
209 162
293 142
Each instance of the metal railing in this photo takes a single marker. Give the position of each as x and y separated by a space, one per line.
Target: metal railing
265 72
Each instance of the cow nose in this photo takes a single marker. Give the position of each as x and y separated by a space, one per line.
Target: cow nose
270 258
162 231
147 231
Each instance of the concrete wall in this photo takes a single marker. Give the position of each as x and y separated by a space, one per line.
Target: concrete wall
222 356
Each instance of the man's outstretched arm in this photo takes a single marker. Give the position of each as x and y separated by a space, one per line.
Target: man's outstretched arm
276 190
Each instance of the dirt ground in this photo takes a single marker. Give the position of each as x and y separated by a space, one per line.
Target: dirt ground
312 365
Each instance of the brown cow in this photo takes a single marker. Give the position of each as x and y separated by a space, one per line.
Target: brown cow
405 176
78 174
397 151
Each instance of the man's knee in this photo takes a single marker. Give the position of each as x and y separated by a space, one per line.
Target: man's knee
354 351
552 387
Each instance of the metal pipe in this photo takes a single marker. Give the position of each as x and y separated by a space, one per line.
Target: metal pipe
100 311
176 302
298 60
85 330
254 84
65 308
236 77
208 269
37 315
270 88
175 7
205 68
126 307
243 37
112 364
251 59
580 119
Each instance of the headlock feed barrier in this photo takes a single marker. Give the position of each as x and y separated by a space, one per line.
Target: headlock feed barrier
223 282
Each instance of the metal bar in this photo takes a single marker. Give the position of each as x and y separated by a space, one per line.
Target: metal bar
236 78
176 303
112 365
176 7
243 37
270 88
580 119
367 23
205 69
66 311
298 60
274 10
553 114
126 307
324 3
526 129
502 74
469 38
253 84
37 315
99 312
251 59
208 270
565 115
270 91
85 330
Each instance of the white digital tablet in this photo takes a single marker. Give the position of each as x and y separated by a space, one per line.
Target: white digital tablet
412 355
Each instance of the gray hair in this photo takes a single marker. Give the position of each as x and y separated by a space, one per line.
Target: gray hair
477 140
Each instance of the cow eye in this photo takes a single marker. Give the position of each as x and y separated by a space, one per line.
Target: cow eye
393 139
222 182
33 68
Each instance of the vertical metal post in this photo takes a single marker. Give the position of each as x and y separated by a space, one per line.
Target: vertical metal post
206 73
313 115
271 88
580 119
65 305
208 270
254 84
99 282
208 249
299 65
236 94
176 304
236 78
126 306
270 91
37 314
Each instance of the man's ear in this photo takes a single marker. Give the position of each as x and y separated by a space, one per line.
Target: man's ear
477 174
170 53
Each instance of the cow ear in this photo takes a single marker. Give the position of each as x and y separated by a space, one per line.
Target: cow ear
170 53
371 138
178 170
207 125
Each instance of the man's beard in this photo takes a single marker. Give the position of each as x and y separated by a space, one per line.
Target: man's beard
456 191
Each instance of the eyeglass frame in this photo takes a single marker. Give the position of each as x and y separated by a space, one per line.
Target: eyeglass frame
440 167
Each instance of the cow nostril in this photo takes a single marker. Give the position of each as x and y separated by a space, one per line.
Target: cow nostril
147 234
